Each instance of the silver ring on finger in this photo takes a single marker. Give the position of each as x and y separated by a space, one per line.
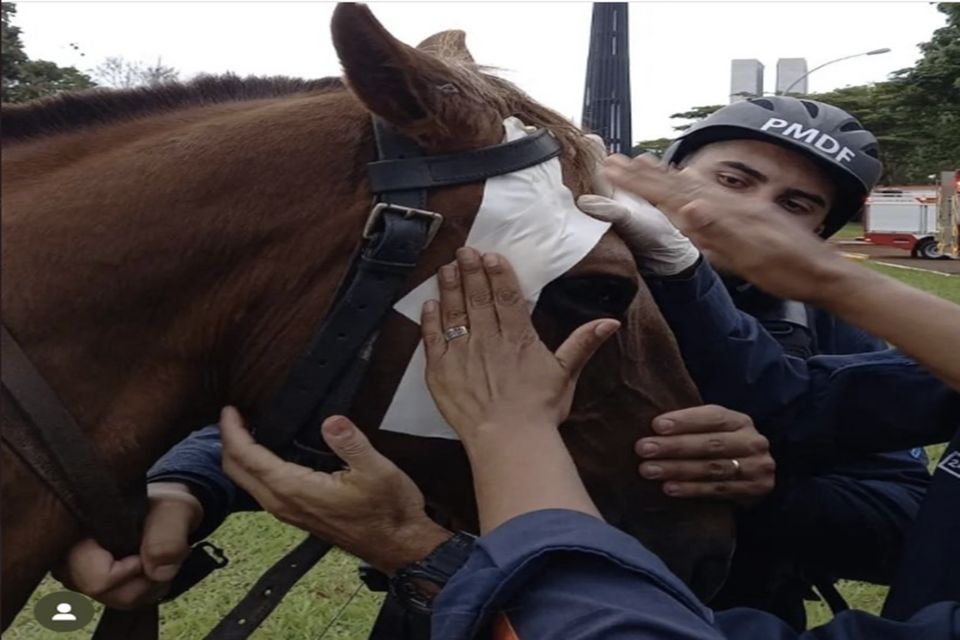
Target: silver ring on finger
737 469
456 332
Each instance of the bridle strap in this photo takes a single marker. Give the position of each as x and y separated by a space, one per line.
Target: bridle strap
427 172
325 380
378 274
65 458
58 451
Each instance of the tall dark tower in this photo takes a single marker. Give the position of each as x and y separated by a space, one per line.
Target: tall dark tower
606 98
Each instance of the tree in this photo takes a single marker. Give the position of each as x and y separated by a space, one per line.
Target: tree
120 73
696 114
25 79
657 146
915 114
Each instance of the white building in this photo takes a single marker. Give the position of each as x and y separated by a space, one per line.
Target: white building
789 71
746 79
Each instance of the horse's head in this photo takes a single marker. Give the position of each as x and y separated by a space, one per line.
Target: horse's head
231 208
436 95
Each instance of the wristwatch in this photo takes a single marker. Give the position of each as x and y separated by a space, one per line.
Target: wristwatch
416 585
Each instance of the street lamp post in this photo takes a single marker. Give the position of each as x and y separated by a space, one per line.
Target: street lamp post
874 52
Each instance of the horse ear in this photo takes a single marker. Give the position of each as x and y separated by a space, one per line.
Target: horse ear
451 45
410 88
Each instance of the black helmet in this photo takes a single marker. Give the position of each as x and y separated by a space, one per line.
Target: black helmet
830 136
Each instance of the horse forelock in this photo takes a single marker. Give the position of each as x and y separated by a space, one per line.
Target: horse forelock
498 93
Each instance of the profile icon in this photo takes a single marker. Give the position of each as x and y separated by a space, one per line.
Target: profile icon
64 613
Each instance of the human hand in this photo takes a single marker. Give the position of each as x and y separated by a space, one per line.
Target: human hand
657 245
694 451
135 581
372 509
755 240
500 373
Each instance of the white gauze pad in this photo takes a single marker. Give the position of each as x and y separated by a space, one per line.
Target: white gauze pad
530 218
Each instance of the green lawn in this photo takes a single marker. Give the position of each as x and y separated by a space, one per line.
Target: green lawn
942 285
253 541
326 595
850 231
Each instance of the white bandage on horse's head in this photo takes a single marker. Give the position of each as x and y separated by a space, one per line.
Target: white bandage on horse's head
530 218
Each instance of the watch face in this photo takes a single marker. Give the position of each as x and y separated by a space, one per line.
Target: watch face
417 592
417 585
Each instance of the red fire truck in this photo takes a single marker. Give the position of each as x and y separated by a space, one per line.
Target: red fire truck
921 220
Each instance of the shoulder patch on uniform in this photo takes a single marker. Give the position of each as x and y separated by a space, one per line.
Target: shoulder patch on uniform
951 463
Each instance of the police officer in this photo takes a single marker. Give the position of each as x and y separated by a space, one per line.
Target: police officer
830 516
875 524
546 565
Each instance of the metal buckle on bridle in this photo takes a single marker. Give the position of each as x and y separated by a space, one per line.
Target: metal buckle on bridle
435 219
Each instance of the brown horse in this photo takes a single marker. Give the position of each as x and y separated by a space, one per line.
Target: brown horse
167 251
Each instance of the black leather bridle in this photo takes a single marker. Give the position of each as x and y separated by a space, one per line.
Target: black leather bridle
327 376
321 383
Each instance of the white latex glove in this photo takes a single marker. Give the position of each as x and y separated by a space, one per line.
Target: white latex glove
601 186
659 248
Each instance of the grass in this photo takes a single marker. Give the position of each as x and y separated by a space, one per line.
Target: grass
850 231
945 286
863 595
252 541
330 601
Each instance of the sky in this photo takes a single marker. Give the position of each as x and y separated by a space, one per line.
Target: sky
680 51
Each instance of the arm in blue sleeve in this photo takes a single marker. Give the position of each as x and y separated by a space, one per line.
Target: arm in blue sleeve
825 405
733 360
564 574
197 461
940 621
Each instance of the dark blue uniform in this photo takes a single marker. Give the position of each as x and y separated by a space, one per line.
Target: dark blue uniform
821 410
831 516
561 574
564 574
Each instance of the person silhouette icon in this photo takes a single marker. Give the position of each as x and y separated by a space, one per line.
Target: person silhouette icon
64 612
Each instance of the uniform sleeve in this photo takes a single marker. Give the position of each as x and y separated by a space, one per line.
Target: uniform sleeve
564 574
197 461
827 404
940 621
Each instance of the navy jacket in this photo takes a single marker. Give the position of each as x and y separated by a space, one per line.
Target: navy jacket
564 574
832 515
825 407
817 409
829 409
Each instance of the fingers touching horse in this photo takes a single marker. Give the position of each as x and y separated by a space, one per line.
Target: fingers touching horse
168 250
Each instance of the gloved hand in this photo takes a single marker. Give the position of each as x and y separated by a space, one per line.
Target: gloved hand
658 247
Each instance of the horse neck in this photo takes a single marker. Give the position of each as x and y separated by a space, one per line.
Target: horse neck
151 267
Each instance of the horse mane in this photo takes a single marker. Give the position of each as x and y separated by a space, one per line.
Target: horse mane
71 110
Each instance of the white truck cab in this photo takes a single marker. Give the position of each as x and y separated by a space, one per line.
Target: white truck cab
922 220
906 219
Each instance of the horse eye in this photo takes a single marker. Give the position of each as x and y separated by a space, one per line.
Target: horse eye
598 296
